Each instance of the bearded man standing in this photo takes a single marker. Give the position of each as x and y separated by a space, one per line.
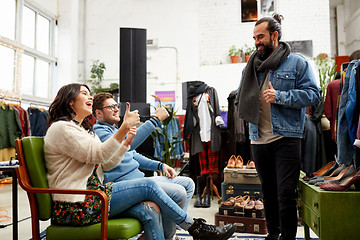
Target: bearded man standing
275 89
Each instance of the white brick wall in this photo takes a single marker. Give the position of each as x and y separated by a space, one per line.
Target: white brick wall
220 27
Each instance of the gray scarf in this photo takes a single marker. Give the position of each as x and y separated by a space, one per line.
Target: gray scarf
247 98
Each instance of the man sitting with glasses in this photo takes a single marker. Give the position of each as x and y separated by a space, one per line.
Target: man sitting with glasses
180 189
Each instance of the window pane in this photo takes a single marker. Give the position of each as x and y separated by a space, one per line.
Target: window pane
249 10
7 19
28 31
27 76
6 68
42 79
43 34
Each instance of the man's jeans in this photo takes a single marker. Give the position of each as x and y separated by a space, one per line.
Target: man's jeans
278 166
130 192
180 190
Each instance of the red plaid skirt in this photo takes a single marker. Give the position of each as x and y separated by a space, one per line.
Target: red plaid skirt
209 161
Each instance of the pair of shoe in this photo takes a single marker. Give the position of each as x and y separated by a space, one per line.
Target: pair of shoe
255 208
200 230
344 184
235 162
324 171
237 201
316 180
341 172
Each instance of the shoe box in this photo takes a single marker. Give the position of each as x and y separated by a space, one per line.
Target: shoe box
232 190
243 224
241 176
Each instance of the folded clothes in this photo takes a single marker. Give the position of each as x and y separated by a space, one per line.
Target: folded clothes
11 162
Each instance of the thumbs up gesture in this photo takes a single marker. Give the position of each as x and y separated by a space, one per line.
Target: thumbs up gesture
131 118
270 94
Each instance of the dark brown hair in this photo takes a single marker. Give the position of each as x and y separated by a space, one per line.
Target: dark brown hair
60 109
274 23
355 55
99 99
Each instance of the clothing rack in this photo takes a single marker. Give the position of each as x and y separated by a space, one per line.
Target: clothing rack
15 99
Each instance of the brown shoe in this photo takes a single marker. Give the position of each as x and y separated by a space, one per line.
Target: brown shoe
242 201
259 204
259 208
231 162
239 163
249 209
228 202
250 165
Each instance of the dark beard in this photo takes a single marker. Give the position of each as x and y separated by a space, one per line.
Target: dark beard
268 49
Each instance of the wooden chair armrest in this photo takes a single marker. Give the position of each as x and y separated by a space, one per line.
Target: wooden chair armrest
103 198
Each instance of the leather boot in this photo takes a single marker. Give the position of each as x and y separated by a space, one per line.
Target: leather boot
199 230
207 202
198 200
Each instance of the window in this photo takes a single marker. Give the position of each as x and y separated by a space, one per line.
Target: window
250 9
27 60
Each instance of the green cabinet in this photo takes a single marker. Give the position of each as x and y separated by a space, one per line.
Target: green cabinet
331 215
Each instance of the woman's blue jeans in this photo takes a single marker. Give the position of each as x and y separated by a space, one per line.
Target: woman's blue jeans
131 192
180 190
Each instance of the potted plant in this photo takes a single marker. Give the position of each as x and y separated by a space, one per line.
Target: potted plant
234 54
248 52
97 77
327 71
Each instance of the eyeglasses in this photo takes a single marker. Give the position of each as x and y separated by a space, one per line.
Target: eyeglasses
112 106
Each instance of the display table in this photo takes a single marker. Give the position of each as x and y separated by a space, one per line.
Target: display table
12 170
331 215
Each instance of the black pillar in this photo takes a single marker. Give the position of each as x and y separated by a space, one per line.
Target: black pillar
133 70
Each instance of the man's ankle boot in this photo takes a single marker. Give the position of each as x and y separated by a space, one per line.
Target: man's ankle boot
207 202
198 200
199 230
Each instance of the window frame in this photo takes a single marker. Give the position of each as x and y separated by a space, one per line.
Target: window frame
259 11
21 49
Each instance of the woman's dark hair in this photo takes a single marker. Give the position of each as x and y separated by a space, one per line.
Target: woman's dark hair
274 23
60 108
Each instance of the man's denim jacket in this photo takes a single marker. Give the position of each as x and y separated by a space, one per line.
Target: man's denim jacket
295 86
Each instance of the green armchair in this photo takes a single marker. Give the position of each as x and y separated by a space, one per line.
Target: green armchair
32 178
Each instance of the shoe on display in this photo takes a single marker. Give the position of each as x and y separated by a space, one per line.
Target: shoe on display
250 165
239 163
200 230
231 162
342 185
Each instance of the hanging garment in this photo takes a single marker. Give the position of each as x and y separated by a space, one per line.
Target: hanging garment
38 121
174 135
345 151
24 121
330 104
215 132
351 115
10 128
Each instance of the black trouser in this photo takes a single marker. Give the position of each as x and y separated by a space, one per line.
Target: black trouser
278 166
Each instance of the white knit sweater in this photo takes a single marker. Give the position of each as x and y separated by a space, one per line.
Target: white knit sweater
71 154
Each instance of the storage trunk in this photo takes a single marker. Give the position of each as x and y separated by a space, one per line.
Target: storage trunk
233 190
241 176
243 224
